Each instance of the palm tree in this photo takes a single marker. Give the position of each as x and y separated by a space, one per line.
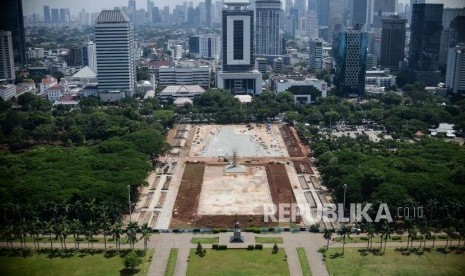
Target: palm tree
449 232
116 230
413 235
49 227
63 230
89 233
386 232
327 235
131 232
145 230
105 226
75 229
35 231
370 234
344 232
460 230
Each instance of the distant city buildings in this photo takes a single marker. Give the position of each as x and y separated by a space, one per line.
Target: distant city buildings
184 74
114 39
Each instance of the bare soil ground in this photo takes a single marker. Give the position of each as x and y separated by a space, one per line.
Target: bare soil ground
291 141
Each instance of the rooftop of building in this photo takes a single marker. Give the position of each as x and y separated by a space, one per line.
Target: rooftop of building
112 16
85 73
183 89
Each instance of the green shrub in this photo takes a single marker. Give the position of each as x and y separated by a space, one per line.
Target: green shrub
250 247
275 249
222 247
363 238
259 246
396 238
215 246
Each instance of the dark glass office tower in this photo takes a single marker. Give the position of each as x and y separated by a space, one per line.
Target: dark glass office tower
359 12
11 19
392 42
425 42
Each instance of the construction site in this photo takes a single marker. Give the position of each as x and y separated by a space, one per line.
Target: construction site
217 174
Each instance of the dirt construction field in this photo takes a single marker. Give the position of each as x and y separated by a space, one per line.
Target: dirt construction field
220 172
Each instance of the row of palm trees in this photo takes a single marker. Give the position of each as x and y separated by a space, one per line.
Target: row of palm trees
63 228
415 231
60 221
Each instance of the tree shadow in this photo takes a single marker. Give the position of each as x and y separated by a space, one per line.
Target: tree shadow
128 271
336 255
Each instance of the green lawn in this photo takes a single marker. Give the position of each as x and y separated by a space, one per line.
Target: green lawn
394 263
205 240
76 264
236 262
268 240
171 262
304 262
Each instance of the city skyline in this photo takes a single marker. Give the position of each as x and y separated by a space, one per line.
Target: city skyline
36 6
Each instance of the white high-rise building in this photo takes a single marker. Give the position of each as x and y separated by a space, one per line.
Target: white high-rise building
7 63
114 39
89 55
315 61
205 46
237 74
267 32
455 73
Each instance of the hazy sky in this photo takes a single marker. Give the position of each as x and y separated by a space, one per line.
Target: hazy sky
36 6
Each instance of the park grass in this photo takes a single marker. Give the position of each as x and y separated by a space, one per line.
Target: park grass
76 263
393 263
210 240
171 262
303 262
268 240
237 262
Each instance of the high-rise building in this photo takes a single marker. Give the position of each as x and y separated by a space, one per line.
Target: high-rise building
47 17
267 22
336 12
237 74
392 42
89 55
457 30
322 12
64 15
205 46
315 61
311 24
448 15
455 72
150 7
287 9
425 41
301 6
55 15
114 39
208 13
11 19
359 9
382 8
351 63
7 64
74 56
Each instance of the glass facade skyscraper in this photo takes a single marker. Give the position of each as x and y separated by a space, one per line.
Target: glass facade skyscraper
351 63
